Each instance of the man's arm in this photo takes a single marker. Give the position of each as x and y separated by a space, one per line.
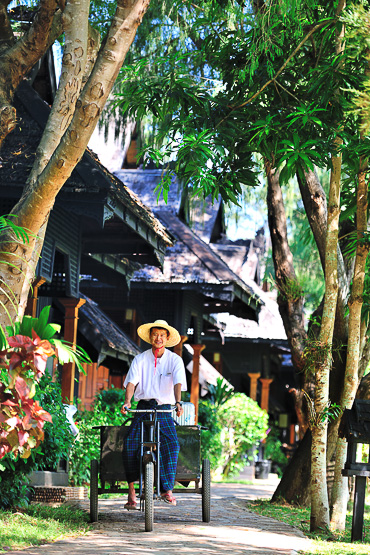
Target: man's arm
128 396
177 389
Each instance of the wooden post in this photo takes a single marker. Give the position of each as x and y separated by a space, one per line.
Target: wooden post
71 306
33 297
178 348
194 391
265 393
358 509
253 387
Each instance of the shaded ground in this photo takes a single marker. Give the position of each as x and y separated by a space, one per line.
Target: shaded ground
233 530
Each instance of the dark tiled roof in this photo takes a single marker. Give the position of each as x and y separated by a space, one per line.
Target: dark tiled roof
143 183
202 212
18 153
103 333
191 260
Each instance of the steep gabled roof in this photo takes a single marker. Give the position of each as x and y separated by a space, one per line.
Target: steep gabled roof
205 217
90 184
193 264
107 338
143 183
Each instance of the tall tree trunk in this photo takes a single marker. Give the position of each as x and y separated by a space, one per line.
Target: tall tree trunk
19 59
323 353
295 485
76 32
340 489
290 297
314 200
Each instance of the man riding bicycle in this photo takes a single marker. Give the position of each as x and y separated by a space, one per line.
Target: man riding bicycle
156 379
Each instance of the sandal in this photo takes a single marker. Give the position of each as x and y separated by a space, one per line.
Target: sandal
130 505
168 498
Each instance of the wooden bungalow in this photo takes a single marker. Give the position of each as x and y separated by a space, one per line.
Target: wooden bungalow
97 228
195 283
211 289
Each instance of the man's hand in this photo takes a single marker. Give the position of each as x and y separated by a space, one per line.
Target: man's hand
179 409
125 407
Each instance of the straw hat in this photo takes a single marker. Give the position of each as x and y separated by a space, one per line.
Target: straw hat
144 332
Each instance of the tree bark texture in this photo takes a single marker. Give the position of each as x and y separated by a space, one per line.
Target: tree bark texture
315 204
319 493
18 60
294 486
33 209
290 299
76 31
340 494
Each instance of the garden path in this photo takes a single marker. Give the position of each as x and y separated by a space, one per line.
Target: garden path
233 529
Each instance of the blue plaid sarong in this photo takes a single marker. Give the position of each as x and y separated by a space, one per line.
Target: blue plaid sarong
169 447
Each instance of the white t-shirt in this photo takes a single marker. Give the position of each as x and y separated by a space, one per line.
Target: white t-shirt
156 383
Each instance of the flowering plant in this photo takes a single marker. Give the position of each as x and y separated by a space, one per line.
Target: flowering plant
23 360
22 419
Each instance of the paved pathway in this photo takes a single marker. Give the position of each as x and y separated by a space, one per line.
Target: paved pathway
233 529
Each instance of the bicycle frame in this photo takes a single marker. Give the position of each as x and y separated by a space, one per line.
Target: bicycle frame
150 448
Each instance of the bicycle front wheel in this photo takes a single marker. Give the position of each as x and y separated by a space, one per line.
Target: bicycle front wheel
148 496
206 491
94 470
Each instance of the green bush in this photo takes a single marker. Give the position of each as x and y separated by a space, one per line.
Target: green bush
58 438
106 411
273 451
13 481
234 427
211 444
110 398
244 424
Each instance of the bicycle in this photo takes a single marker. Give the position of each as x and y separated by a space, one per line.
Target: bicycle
111 467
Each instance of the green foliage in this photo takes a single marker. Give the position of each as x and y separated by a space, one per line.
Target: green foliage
274 452
211 443
34 428
47 332
8 227
244 425
331 412
56 444
290 290
109 399
234 427
58 438
220 393
13 483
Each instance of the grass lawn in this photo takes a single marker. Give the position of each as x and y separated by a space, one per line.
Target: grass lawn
323 543
39 524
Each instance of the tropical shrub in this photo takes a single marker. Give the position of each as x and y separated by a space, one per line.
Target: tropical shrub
21 416
273 451
244 424
110 398
58 438
23 362
220 393
235 425
211 444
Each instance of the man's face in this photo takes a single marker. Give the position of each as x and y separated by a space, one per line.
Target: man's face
158 338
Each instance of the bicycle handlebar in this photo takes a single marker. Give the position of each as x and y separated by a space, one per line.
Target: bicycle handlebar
150 410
